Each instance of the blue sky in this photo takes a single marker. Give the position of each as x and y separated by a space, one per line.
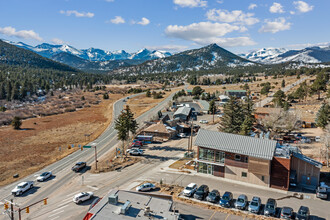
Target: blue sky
172 25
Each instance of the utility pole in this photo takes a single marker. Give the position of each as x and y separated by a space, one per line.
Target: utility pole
95 157
12 209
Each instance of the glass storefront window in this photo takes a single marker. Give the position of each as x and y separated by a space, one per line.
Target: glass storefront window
220 157
202 167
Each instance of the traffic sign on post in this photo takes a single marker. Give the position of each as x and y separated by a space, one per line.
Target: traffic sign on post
86 146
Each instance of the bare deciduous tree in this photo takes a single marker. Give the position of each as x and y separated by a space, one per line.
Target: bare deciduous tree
281 122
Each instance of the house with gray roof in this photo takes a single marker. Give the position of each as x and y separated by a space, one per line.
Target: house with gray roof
183 113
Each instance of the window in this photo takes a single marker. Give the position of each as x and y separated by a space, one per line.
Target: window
202 167
246 159
263 178
220 157
244 174
237 157
210 155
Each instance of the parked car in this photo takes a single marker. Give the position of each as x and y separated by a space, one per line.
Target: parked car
317 138
82 197
201 192
146 187
255 205
135 152
270 207
79 166
321 192
214 196
303 213
45 175
226 200
190 189
241 202
203 121
286 213
182 135
22 187
220 115
136 144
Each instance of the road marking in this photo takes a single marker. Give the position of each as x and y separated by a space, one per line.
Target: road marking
55 218
227 216
71 194
95 175
55 210
65 200
212 215
56 213
93 187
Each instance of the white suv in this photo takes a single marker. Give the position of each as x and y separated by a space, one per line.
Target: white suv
190 190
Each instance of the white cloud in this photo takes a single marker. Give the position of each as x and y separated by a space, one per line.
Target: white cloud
169 47
25 34
117 20
228 42
77 13
277 25
57 41
276 8
190 3
252 6
292 12
207 32
301 46
303 7
236 16
144 21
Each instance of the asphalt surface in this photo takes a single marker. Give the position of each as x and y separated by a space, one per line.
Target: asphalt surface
63 175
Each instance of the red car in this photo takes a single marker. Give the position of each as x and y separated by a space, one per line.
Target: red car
136 144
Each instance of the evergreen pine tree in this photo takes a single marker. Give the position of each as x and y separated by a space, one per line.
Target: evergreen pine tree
283 83
232 118
15 92
9 89
2 91
246 126
323 116
16 123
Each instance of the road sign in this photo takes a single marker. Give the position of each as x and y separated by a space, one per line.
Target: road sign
87 146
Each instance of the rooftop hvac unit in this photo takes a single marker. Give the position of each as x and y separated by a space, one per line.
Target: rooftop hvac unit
113 199
125 207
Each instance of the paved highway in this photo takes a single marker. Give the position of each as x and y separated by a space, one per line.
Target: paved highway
62 169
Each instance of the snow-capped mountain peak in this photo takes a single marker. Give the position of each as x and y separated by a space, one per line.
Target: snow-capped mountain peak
92 54
316 54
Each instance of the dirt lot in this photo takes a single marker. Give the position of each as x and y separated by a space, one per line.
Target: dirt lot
37 144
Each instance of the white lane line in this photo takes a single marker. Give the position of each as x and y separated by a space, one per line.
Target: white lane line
55 210
71 194
92 187
95 175
55 218
56 213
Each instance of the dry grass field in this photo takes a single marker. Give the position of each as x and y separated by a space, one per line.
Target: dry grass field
37 144
254 86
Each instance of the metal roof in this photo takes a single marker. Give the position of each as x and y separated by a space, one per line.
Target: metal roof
239 144
183 110
235 90
308 160
205 104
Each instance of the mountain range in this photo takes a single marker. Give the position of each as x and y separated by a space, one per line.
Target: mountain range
146 61
205 58
309 55
92 54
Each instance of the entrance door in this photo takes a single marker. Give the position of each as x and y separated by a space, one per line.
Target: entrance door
210 169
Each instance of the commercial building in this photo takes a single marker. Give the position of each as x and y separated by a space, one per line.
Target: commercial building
122 205
159 131
252 160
